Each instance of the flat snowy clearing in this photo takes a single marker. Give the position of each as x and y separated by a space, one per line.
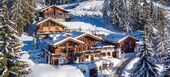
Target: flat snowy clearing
44 70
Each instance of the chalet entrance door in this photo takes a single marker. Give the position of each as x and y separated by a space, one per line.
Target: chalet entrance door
114 54
70 56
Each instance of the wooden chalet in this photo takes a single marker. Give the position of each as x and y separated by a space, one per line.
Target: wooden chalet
126 43
49 25
68 45
53 11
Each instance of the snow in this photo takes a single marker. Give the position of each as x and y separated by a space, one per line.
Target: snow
62 37
51 19
127 69
85 66
115 61
87 17
90 5
45 70
57 39
87 8
25 37
25 57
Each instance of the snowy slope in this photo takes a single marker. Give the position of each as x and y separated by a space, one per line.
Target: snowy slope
87 16
87 8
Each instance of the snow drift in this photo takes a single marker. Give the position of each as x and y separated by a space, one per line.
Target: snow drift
44 70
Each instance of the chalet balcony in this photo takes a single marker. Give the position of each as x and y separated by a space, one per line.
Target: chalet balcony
55 56
95 50
49 32
87 52
62 17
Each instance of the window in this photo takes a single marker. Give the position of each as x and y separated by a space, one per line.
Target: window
52 23
45 23
63 50
103 54
84 71
87 56
108 53
96 55
100 67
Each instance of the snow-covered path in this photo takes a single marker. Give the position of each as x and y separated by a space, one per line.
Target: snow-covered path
121 66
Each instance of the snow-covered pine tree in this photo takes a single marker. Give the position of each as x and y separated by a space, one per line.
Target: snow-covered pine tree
163 52
134 14
146 65
166 63
22 13
116 12
162 33
10 63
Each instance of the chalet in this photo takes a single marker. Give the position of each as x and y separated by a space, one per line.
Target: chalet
68 45
55 12
49 25
126 43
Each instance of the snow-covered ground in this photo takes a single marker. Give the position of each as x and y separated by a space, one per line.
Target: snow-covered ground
130 65
87 17
45 70
126 71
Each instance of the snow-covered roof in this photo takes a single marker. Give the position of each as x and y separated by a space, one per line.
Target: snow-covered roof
62 37
51 19
57 39
88 34
117 37
53 6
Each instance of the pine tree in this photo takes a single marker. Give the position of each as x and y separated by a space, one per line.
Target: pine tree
116 12
22 13
134 14
166 62
162 34
10 63
146 66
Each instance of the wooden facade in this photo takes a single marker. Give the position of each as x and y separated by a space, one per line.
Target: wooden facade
53 11
50 25
128 44
70 47
89 40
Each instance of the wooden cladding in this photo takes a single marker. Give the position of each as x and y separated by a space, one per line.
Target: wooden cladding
53 11
128 45
71 47
50 26
90 42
